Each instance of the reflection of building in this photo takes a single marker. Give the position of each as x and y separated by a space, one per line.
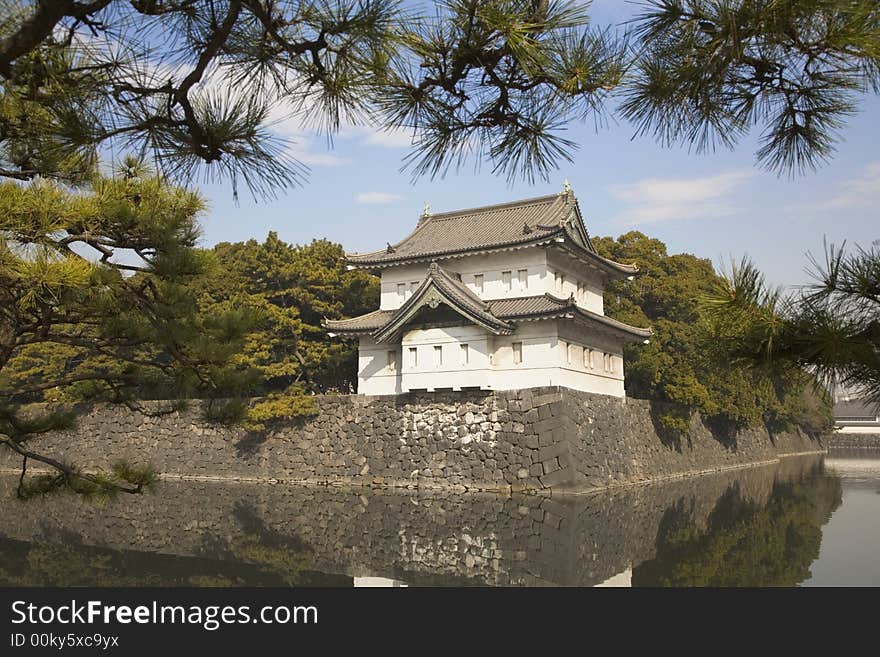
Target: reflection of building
378 582
501 297
622 579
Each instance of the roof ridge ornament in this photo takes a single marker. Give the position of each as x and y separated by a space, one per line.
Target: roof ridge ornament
389 248
426 211
566 187
526 229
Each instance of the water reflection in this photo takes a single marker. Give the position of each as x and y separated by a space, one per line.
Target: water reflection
744 542
761 526
850 552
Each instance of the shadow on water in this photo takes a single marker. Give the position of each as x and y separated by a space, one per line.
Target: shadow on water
760 526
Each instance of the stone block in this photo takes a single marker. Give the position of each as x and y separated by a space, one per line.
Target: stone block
558 478
550 465
550 451
546 426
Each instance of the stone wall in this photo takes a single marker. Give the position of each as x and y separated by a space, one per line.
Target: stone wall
536 439
854 441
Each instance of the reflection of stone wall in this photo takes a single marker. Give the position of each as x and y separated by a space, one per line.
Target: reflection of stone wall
418 537
529 439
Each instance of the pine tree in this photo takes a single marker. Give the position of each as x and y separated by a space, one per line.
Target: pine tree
96 303
832 328
195 84
709 71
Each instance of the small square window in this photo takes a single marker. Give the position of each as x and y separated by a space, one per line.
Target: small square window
505 280
523 277
588 359
558 281
478 282
465 354
413 286
517 353
401 290
438 356
413 357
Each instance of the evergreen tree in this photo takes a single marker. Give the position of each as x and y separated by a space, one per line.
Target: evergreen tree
193 83
831 328
686 366
96 303
290 289
708 71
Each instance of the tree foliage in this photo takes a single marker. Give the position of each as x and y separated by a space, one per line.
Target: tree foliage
96 303
685 365
831 328
744 543
708 71
289 290
253 555
196 84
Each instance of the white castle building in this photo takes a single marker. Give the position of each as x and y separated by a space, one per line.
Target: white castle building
500 297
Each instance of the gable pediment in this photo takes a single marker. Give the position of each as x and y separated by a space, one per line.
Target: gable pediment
442 290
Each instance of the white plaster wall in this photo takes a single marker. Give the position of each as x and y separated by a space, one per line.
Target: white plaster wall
389 298
864 429
491 266
622 579
544 360
577 339
572 272
374 375
540 263
452 372
545 348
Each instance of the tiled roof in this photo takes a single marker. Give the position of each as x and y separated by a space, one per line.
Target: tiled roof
501 311
547 306
474 229
369 322
493 227
527 306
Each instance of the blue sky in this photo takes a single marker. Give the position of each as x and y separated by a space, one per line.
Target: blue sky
716 205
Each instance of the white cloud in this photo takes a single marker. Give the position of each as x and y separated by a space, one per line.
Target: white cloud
860 192
653 200
376 198
301 142
394 138
293 126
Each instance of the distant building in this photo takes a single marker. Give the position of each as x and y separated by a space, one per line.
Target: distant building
856 416
500 297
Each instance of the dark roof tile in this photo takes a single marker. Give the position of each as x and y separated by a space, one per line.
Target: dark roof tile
474 229
508 225
500 311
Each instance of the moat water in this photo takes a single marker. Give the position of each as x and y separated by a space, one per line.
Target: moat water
809 521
